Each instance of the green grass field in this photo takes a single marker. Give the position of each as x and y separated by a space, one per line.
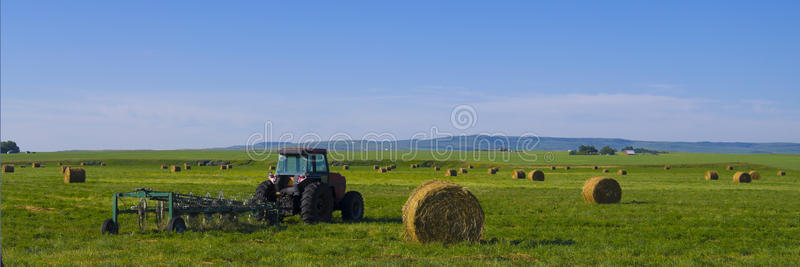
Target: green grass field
665 217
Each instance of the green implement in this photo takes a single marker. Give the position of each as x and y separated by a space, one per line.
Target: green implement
174 205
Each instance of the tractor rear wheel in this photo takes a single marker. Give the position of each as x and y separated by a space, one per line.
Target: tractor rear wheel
352 206
177 225
110 227
316 204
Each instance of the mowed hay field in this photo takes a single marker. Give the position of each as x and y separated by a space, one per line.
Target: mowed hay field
665 216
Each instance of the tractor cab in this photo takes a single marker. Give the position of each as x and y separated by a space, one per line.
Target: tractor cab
295 165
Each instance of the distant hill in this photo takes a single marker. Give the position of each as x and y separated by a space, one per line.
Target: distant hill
483 142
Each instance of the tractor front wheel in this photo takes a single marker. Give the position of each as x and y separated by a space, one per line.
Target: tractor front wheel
110 227
316 205
352 206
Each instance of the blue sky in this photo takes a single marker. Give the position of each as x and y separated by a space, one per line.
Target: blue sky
195 74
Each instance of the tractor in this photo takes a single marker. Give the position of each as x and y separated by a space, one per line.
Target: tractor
303 184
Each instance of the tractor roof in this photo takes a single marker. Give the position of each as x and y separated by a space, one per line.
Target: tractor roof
301 150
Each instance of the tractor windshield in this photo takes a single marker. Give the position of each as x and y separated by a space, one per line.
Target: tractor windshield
291 165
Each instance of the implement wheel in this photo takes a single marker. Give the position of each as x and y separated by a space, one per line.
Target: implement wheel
110 227
176 225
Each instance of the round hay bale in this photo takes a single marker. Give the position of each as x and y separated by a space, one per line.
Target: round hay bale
102 164
8 168
712 175
781 173
492 171
566 167
187 166
229 166
413 166
518 174
595 167
271 168
435 168
345 167
552 168
602 190
536 175
741 177
470 166
375 167
462 170
36 165
174 168
63 168
74 175
382 170
450 172
622 172
605 170
223 167
84 164
754 175
667 167
730 168
163 166
441 211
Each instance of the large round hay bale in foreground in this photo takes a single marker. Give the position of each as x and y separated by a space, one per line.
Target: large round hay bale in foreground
602 190
622 172
536 175
441 211
74 175
741 177
754 175
518 174
450 172
8 168
781 173
712 175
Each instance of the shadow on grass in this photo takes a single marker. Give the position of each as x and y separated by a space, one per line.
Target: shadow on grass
529 243
634 202
376 220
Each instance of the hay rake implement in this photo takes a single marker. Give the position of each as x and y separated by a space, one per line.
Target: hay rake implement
174 205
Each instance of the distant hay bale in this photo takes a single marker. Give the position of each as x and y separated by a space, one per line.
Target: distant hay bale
667 167
781 173
518 174
712 175
22 166
382 170
163 166
83 163
605 170
536 175
602 190
450 172
441 211
413 166
229 166
492 171
741 177
566 167
754 175
552 168
36 165
271 168
594 168
223 167
436 168
187 166
8 168
63 168
345 167
462 170
200 164
470 166
622 172
174 168
394 166
74 175
388 168
730 168
496 169
375 167
102 164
